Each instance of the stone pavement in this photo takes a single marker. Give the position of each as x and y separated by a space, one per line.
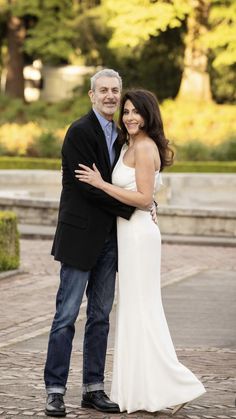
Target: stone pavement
199 290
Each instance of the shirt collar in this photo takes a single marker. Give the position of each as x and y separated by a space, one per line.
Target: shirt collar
103 121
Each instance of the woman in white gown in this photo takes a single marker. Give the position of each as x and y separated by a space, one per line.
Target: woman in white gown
146 372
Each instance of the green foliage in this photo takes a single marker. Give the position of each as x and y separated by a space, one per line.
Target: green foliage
198 151
50 115
3 150
92 36
225 151
220 39
178 166
46 145
51 34
29 163
209 123
136 21
223 83
10 109
9 241
202 167
162 76
163 53
196 130
143 39
222 35
194 151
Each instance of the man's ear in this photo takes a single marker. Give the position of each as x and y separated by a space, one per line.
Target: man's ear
91 95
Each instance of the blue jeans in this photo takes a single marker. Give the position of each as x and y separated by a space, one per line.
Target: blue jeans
100 289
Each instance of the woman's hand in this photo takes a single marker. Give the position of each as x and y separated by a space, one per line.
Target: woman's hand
90 176
153 212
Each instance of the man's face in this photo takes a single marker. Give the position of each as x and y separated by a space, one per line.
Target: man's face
106 96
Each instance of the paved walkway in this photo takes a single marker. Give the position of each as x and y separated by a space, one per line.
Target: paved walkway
199 290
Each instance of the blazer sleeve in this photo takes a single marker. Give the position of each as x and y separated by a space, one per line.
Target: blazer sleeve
78 148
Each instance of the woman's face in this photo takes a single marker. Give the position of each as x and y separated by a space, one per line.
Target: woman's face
132 120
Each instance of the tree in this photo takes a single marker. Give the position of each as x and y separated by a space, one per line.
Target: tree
40 29
15 65
136 22
133 23
222 36
221 42
195 83
51 36
13 30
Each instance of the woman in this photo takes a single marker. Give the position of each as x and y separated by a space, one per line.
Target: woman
146 372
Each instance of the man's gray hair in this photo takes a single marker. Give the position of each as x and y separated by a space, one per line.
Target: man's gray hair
106 72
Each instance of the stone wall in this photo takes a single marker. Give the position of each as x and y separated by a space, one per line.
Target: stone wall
32 211
172 219
195 190
197 222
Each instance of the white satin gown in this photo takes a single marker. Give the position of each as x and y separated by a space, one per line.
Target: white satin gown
146 372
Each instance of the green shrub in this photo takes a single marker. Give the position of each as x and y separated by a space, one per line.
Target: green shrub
3 151
225 151
198 151
208 123
46 145
11 110
194 151
9 241
48 115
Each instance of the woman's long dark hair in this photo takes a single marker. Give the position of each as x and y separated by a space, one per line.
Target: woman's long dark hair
146 104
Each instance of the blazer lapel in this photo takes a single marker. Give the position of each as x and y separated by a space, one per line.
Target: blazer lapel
118 147
101 136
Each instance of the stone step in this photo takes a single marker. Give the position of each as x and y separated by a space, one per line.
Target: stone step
29 231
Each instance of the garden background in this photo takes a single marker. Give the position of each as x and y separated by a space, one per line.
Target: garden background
183 50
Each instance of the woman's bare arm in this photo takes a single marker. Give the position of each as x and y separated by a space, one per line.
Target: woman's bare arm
144 173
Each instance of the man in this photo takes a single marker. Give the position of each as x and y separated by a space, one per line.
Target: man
85 244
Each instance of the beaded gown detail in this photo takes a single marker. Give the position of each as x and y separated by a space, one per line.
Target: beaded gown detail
146 372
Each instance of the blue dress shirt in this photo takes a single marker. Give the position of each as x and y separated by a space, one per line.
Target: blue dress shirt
110 131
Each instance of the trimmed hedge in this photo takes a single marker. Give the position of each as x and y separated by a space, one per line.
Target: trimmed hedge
29 163
9 241
179 166
202 167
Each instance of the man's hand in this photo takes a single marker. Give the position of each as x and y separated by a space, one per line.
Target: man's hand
153 212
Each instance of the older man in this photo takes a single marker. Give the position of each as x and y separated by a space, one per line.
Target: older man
85 244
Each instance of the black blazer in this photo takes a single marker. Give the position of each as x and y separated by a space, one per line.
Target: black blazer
86 214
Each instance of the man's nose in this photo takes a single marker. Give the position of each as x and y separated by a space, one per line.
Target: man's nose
110 94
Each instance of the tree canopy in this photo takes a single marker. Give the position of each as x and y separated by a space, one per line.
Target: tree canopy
156 38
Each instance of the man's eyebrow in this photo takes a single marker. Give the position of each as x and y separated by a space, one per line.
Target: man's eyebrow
105 87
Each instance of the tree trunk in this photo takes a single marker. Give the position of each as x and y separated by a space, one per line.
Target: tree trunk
195 84
15 39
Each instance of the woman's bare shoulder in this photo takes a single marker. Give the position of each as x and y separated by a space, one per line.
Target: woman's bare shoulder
146 144
147 149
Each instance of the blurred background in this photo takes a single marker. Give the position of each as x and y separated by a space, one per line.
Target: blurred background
183 50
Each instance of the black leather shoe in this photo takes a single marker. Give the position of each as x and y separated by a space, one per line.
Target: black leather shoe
55 405
100 401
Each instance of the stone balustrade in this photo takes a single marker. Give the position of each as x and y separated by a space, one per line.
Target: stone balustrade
189 203
172 219
196 190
